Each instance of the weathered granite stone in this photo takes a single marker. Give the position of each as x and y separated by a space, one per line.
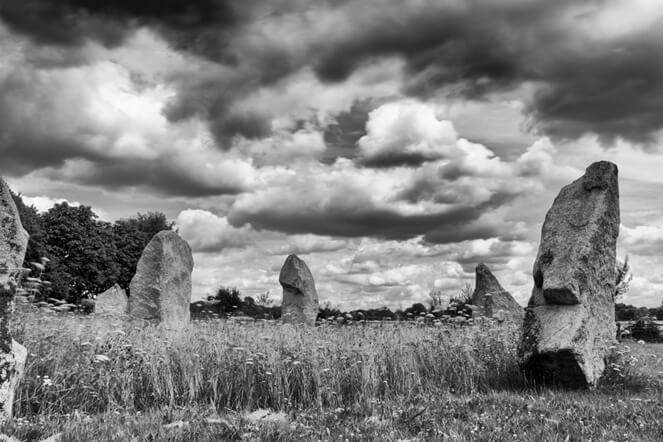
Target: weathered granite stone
569 323
13 244
13 237
111 302
300 298
486 283
160 291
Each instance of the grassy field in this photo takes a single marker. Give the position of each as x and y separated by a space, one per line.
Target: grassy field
103 380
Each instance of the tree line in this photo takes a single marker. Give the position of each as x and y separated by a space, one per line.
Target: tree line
85 254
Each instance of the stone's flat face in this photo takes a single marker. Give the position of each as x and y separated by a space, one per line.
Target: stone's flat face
12 368
113 301
300 297
577 250
13 244
569 324
486 283
13 237
161 289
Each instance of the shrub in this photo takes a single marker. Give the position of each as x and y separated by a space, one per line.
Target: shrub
646 329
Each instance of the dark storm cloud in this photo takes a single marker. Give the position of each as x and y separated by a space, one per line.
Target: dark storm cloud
348 127
396 159
71 22
443 227
161 176
608 85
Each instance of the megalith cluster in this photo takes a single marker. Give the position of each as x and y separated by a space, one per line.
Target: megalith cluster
569 322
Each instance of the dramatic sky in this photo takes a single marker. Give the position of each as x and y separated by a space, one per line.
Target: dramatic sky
392 144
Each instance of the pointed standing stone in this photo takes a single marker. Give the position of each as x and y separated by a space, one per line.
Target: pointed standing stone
570 323
160 291
485 284
13 244
300 298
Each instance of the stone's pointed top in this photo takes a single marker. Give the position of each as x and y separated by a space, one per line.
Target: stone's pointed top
487 285
600 175
484 271
295 273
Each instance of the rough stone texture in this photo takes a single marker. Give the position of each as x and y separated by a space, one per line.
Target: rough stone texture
569 323
485 283
161 289
13 244
111 302
12 368
300 298
488 304
13 237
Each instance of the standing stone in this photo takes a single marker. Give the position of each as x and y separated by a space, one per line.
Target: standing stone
570 320
300 298
13 237
13 244
111 302
160 291
486 283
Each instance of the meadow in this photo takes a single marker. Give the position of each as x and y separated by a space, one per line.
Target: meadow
102 379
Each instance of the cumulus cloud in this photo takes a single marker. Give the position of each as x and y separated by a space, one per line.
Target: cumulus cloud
408 132
43 203
94 124
306 244
207 232
601 82
642 240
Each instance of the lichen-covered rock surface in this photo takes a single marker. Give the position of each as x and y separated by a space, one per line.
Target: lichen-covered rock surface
486 283
569 322
160 291
111 302
300 297
13 237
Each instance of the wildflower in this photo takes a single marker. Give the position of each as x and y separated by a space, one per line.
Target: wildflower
101 358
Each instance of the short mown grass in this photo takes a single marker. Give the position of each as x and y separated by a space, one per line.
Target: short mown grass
104 379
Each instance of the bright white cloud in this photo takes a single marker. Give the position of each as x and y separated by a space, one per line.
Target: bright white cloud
407 128
207 232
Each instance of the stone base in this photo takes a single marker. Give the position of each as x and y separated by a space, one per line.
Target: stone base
12 367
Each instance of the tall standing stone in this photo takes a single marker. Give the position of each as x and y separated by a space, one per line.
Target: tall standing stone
300 298
160 291
486 283
13 244
570 323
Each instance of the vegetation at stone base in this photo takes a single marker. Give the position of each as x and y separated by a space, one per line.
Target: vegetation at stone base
87 255
623 277
103 380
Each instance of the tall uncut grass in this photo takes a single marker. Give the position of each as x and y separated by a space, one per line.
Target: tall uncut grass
95 365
